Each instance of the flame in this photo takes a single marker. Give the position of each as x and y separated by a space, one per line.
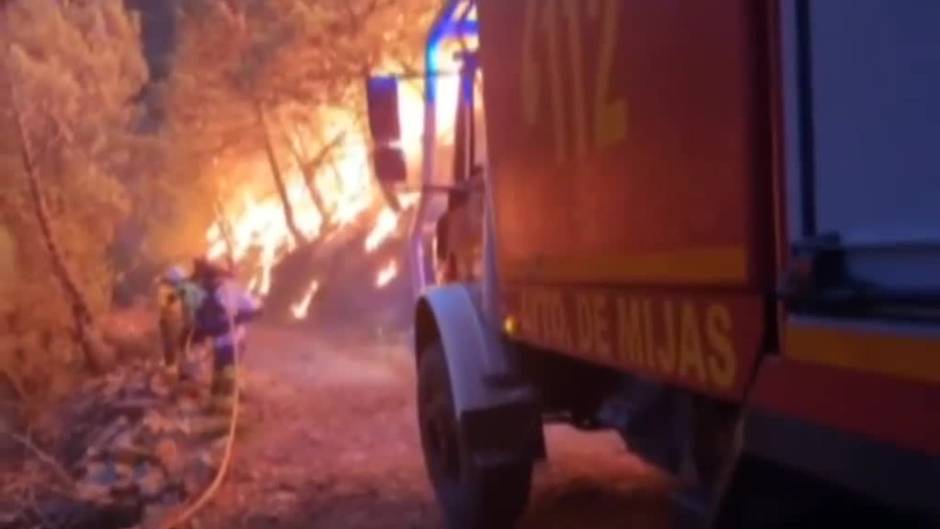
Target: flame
259 237
259 229
217 249
347 187
299 310
386 274
384 228
254 233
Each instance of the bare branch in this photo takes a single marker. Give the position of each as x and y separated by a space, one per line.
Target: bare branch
309 167
64 478
15 383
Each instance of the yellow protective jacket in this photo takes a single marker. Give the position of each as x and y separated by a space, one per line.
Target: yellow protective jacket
178 303
170 303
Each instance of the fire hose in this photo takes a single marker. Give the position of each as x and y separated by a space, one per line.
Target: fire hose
181 517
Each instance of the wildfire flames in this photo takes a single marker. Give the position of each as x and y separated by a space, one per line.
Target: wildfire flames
251 228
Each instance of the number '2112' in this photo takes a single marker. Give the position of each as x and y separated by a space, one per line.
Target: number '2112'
545 23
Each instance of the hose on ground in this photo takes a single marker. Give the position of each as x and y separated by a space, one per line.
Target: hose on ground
179 518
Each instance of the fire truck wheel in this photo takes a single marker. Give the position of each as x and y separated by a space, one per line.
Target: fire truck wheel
471 498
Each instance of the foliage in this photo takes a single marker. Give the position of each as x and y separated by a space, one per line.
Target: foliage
127 195
294 58
70 74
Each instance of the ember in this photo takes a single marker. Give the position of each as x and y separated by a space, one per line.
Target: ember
386 274
299 309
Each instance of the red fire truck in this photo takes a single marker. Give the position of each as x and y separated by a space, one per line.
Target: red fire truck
713 226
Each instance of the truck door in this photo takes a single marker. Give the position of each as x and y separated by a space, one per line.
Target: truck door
858 380
629 165
864 109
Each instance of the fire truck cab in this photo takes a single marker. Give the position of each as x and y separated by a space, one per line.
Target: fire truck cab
710 226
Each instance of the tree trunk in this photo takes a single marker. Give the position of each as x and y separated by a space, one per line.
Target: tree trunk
226 230
298 237
308 167
98 355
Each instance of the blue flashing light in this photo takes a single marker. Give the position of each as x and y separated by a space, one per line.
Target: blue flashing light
445 26
466 28
433 62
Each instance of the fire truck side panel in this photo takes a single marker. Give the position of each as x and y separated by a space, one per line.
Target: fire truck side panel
628 151
866 433
862 121
638 155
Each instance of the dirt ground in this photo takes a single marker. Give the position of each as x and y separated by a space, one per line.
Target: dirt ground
330 442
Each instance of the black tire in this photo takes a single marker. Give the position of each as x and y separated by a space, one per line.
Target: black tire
470 498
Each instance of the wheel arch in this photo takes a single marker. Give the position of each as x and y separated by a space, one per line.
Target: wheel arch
495 418
474 352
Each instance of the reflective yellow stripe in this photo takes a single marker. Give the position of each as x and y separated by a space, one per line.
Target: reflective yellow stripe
710 265
883 350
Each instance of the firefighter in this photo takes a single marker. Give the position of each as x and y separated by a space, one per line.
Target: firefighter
172 325
179 297
221 319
